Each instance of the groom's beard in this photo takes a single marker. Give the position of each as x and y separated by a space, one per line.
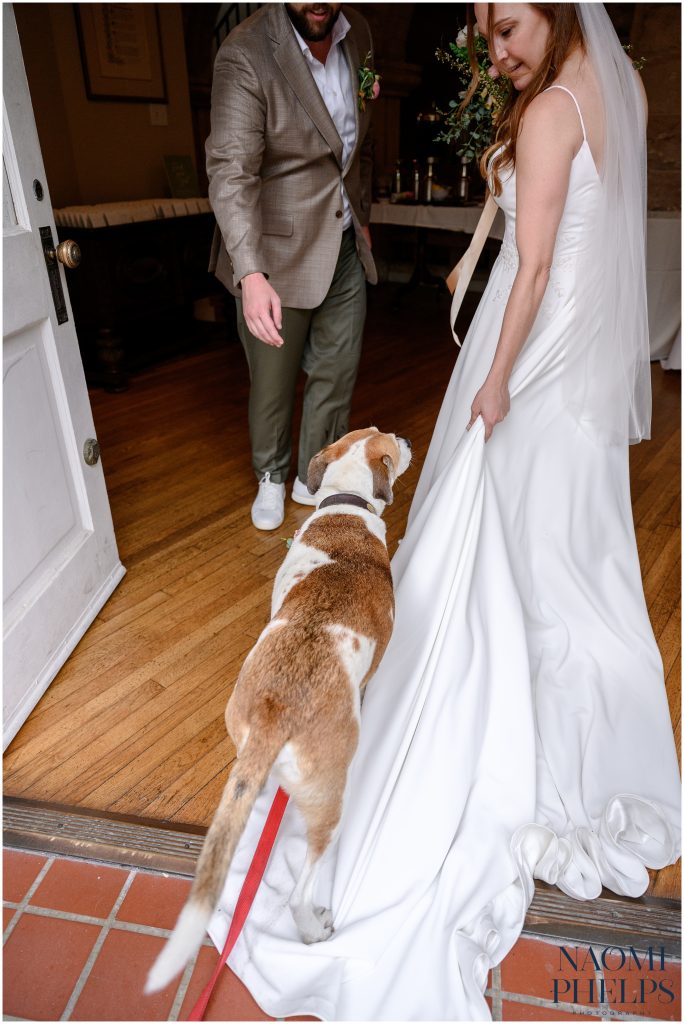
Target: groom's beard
310 28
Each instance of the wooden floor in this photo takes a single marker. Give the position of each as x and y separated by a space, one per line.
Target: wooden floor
134 721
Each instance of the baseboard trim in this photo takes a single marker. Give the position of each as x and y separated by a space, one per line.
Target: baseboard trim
145 843
118 839
611 920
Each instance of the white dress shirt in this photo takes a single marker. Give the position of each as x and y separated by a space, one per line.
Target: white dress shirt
335 85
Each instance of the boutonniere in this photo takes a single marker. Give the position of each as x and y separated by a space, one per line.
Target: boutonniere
369 83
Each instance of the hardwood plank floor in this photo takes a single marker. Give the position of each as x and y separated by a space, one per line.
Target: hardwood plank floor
134 721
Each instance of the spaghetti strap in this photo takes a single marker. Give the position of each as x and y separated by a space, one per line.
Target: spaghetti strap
565 89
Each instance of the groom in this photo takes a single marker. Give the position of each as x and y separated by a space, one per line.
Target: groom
289 167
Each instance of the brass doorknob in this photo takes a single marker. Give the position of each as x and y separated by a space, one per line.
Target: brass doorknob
68 253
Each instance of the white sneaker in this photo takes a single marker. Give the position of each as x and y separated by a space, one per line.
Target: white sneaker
300 493
268 510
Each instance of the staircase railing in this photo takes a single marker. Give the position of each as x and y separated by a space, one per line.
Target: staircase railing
233 15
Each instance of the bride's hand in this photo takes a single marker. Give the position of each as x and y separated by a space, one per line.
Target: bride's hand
492 403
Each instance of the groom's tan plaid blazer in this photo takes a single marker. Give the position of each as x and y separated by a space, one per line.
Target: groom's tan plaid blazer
274 161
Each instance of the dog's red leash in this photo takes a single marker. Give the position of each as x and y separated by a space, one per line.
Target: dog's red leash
247 894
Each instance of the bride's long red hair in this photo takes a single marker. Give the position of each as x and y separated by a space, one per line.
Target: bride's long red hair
565 36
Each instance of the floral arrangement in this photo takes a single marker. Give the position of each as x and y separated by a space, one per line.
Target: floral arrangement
473 130
369 83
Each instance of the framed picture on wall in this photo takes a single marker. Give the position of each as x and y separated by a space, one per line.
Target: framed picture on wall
121 52
181 176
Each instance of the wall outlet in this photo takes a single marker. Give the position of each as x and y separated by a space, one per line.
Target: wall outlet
159 113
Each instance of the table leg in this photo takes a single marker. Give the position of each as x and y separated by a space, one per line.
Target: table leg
421 274
110 356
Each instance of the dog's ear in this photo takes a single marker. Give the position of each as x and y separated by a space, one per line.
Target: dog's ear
383 471
317 467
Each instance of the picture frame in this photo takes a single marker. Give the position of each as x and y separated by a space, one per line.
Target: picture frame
121 52
181 176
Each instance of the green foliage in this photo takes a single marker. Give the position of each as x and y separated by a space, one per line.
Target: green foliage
473 130
367 81
638 63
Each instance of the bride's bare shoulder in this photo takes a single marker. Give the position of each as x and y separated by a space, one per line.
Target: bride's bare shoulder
551 119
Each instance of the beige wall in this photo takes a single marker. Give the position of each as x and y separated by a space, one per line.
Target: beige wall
96 150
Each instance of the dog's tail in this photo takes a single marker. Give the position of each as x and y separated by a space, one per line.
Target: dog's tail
241 790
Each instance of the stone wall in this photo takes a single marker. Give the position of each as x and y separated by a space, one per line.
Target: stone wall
406 35
656 35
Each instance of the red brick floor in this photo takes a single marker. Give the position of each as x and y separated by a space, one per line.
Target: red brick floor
79 938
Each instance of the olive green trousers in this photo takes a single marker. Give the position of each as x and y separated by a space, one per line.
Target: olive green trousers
326 343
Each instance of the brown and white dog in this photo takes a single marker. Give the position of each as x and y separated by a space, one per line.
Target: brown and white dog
296 703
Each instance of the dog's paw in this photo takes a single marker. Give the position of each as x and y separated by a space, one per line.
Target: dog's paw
318 926
325 916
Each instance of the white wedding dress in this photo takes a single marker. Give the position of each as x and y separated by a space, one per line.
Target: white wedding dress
518 726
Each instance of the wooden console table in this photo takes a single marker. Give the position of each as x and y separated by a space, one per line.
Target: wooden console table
143 265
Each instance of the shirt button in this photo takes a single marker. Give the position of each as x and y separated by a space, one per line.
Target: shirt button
338 213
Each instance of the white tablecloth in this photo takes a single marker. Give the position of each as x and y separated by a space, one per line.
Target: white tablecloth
663 282
663 262
441 218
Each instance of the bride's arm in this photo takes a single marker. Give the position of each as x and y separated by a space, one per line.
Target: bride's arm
549 138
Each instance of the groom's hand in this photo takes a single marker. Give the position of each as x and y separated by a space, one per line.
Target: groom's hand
261 309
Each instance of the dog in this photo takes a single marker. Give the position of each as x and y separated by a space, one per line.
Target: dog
297 700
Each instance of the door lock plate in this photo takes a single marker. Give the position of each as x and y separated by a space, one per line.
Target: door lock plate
53 275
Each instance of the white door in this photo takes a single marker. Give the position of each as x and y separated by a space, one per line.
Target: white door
60 557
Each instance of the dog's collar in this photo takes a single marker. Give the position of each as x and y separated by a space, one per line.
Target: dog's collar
347 499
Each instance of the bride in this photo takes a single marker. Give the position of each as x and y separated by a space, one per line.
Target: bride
518 726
